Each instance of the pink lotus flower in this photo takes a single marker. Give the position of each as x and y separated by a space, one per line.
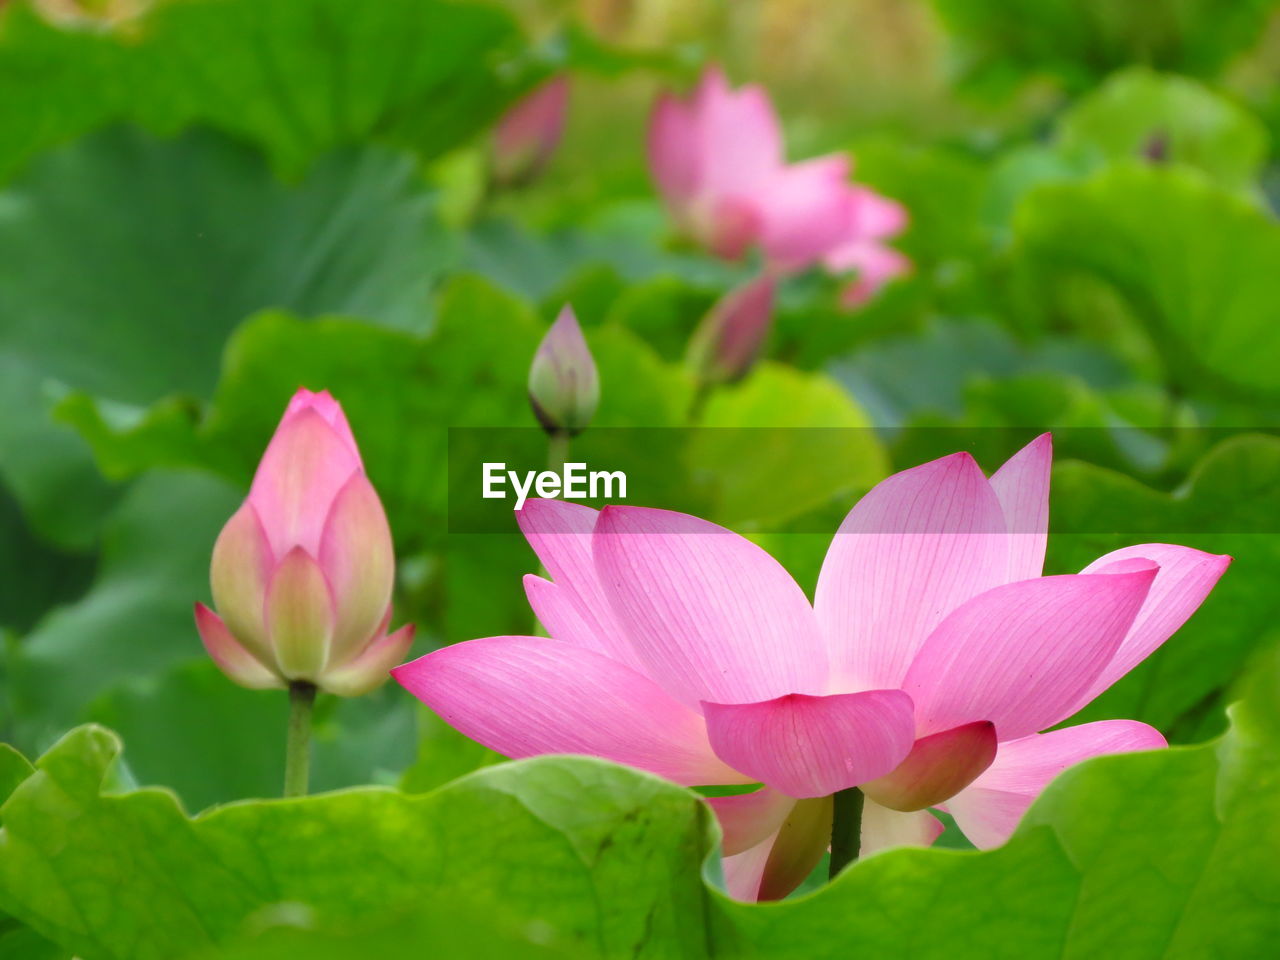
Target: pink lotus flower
302 572
873 219
718 160
529 132
933 654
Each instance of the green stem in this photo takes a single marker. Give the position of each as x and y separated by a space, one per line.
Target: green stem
702 393
557 450
846 829
297 756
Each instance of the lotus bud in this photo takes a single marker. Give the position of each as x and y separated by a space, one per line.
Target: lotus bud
302 573
938 767
564 386
1157 148
528 134
726 344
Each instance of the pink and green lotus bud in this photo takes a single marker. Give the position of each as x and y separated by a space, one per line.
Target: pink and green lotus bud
528 134
729 340
302 572
564 386
937 768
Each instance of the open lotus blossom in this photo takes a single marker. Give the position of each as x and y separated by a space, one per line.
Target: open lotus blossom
718 159
933 655
302 572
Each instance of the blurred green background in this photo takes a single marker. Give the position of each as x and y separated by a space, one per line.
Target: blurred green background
207 203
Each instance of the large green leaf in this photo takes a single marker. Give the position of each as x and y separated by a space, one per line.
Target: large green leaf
1199 286
18 942
1137 114
136 303
782 443
902 378
136 618
14 768
49 470
297 77
583 851
1158 855
36 576
1169 118
430 929
1077 42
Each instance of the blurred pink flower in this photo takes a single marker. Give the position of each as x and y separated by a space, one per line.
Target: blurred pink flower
527 134
302 572
719 162
932 655
873 219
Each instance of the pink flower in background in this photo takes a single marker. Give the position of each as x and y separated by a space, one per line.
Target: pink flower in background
719 162
873 219
302 572
528 133
933 654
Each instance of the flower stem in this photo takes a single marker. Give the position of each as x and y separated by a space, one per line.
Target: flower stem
297 756
557 450
701 394
846 829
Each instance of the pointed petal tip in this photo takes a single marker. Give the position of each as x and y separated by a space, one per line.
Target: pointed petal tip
405 672
1022 654
543 515
628 518
567 317
937 768
370 669
231 657
1129 565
